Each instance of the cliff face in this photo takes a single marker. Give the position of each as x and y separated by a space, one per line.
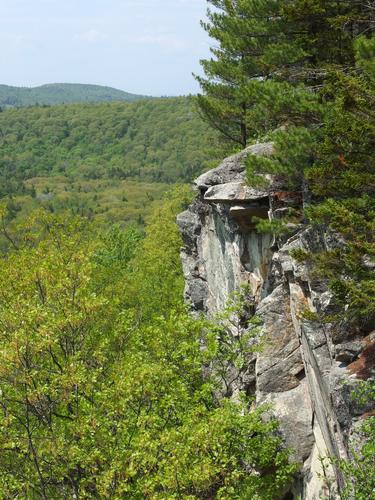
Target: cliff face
306 369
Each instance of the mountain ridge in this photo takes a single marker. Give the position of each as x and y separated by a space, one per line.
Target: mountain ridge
62 93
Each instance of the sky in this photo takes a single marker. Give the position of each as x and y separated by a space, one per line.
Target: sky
146 47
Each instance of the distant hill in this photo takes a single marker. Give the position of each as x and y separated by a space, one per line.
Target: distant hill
157 140
108 160
61 93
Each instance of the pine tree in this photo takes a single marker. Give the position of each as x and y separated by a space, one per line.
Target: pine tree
335 161
252 46
324 31
342 179
265 51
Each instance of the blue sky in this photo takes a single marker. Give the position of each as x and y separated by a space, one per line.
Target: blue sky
141 46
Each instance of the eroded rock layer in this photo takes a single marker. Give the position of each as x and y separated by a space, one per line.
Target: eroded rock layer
306 369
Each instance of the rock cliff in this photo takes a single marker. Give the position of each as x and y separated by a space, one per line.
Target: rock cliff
306 369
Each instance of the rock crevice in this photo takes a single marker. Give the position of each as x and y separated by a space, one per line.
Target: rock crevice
302 369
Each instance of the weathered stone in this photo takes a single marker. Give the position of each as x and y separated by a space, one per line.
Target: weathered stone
301 368
364 367
279 364
234 192
294 412
189 225
197 293
315 334
313 487
348 352
217 252
232 168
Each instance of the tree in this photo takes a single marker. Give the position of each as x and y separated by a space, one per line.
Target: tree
55 340
102 391
246 32
325 31
343 180
266 50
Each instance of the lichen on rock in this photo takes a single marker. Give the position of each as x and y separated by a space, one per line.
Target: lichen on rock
303 368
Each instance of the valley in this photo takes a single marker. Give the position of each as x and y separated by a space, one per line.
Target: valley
108 161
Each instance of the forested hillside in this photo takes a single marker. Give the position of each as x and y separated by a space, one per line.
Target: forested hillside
102 389
109 159
159 140
61 93
109 387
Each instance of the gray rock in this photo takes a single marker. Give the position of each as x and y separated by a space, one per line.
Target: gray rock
233 192
189 225
298 368
348 352
279 363
293 410
197 293
232 168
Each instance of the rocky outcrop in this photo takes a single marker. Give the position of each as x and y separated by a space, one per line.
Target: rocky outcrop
306 369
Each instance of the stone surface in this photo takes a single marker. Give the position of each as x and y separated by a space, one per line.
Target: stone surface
364 367
234 192
222 254
232 168
279 366
296 429
312 487
306 369
348 352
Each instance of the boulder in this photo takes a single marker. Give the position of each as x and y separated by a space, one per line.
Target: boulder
232 168
348 351
234 192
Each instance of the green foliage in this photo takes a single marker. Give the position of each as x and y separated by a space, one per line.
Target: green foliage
300 255
365 55
277 227
324 31
232 339
359 471
245 55
343 163
334 161
105 201
264 51
161 140
349 266
54 338
102 390
294 150
365 392
61 93
343 174
156 268
118 248
109 162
